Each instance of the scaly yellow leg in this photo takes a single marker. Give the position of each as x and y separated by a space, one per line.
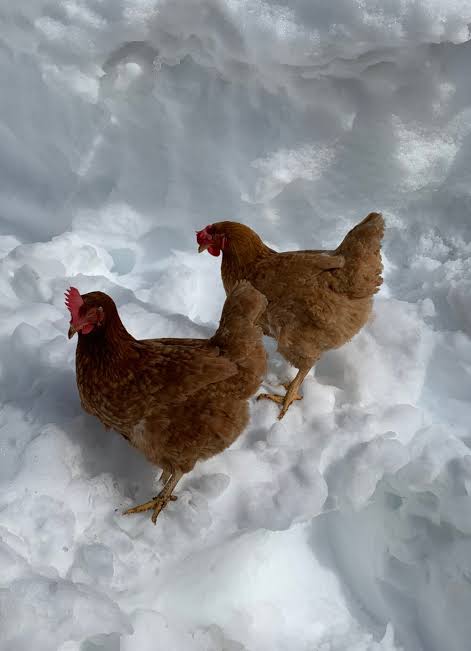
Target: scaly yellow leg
291 393
164 477
157 504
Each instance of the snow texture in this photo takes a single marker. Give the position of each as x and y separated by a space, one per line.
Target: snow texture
125 126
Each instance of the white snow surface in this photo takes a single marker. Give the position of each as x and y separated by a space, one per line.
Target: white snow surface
127 125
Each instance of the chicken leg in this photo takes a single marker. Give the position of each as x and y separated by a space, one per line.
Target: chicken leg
158 503
291 393
164 477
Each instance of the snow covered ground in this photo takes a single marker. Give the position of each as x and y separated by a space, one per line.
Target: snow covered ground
125 125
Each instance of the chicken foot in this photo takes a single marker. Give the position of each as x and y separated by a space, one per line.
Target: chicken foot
291 393
158 503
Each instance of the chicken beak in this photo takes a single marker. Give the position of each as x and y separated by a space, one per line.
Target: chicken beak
203 247
71 332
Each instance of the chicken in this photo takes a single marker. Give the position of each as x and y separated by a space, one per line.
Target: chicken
317 300
176 400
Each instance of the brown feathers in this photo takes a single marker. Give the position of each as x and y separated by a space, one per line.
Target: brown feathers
177 400
317 300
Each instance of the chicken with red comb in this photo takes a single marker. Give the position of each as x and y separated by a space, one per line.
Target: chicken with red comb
317 300
176 400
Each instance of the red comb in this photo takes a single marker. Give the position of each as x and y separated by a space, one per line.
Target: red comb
73 302
204 235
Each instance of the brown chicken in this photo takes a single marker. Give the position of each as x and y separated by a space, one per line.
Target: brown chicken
317 300
176 400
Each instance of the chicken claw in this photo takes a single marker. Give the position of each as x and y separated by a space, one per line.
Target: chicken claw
158 503
291 394
286 401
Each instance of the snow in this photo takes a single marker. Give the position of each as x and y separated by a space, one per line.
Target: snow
124 128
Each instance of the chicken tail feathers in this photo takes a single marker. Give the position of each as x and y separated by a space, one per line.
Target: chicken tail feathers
239 334
361 275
